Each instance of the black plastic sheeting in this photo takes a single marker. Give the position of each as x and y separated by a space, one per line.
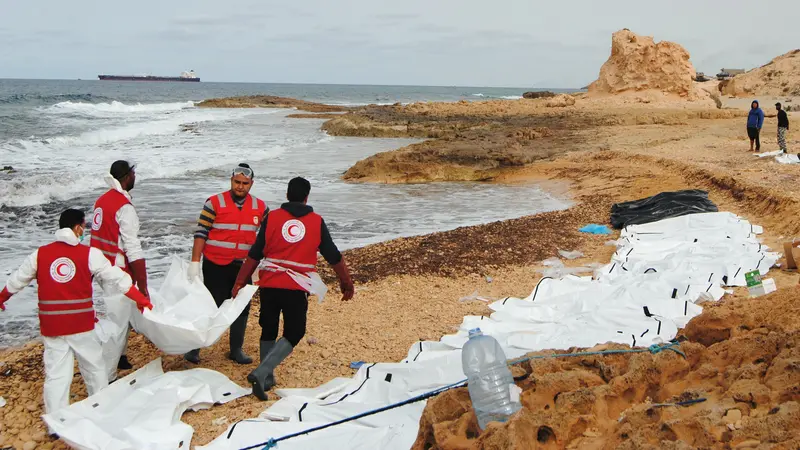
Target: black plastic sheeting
661 206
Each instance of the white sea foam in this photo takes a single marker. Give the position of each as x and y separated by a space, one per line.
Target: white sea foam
116 107
504 97
61 167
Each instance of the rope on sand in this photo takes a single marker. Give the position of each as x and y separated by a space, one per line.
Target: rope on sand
654 349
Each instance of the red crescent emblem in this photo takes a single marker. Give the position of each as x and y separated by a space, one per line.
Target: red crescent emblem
60 269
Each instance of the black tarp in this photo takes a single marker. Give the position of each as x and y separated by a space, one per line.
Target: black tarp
661 206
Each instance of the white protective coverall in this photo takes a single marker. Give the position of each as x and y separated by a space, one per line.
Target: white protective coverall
119 307
59 352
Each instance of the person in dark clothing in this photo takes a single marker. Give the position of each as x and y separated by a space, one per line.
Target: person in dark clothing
287 245
783 127
755 119
226 230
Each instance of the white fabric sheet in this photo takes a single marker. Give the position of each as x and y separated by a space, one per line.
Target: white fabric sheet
184 316
653 285
142 410
787 158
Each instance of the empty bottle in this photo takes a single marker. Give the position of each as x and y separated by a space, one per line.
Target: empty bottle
488 378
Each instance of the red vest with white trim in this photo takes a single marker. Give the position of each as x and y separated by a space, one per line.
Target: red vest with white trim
65 289
290 242
105 229
234 230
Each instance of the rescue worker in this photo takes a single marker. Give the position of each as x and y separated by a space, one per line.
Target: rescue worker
63 271
227 228
288 241
115 232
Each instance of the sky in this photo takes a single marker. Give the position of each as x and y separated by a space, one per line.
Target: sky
503 43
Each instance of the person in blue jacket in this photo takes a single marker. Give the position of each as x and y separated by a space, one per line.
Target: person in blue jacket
755 119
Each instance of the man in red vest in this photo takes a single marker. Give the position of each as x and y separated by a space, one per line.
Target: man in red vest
288 242
115 232
227 229
64 271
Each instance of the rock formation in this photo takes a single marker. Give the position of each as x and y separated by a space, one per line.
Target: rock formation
781 76
538 94
560 101
270 101
637 63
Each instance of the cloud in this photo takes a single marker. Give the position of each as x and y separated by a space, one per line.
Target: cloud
202 20
181 34
416 42
396 17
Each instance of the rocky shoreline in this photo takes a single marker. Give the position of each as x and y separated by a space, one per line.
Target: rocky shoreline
740 355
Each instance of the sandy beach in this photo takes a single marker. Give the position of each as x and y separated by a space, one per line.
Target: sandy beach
595 148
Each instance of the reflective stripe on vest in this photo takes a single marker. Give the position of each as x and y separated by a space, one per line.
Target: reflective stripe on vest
225 226
64 302
104 241
62 313
291 263
221 244
230 245
234 227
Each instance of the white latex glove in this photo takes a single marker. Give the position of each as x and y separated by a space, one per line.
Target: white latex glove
194 271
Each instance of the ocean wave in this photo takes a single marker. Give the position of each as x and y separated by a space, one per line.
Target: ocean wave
115 131
117 107
504 97
50 98
103 136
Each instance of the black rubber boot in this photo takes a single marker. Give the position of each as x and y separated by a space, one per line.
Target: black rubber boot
193 356
240 356
264 349
123 363
238 328
263 374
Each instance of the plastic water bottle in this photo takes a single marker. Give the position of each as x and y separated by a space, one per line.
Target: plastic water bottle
488 378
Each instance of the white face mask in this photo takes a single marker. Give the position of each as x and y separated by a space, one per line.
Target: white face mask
80 236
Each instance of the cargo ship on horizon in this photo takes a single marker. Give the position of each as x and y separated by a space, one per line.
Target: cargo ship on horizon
185 76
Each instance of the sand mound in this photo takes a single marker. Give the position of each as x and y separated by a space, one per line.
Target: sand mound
741 359
637 63
781 76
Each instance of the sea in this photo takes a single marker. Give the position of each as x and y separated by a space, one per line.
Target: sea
61 136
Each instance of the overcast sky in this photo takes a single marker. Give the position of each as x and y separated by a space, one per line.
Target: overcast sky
516 43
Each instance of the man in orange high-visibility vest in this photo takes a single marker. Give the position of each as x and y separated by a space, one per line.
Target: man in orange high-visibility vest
63 271
227 228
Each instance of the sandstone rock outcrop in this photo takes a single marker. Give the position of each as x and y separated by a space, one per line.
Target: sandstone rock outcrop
637 63
560 101
538 94
781 76
270 101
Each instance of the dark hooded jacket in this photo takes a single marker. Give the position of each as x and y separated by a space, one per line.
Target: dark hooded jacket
783 119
